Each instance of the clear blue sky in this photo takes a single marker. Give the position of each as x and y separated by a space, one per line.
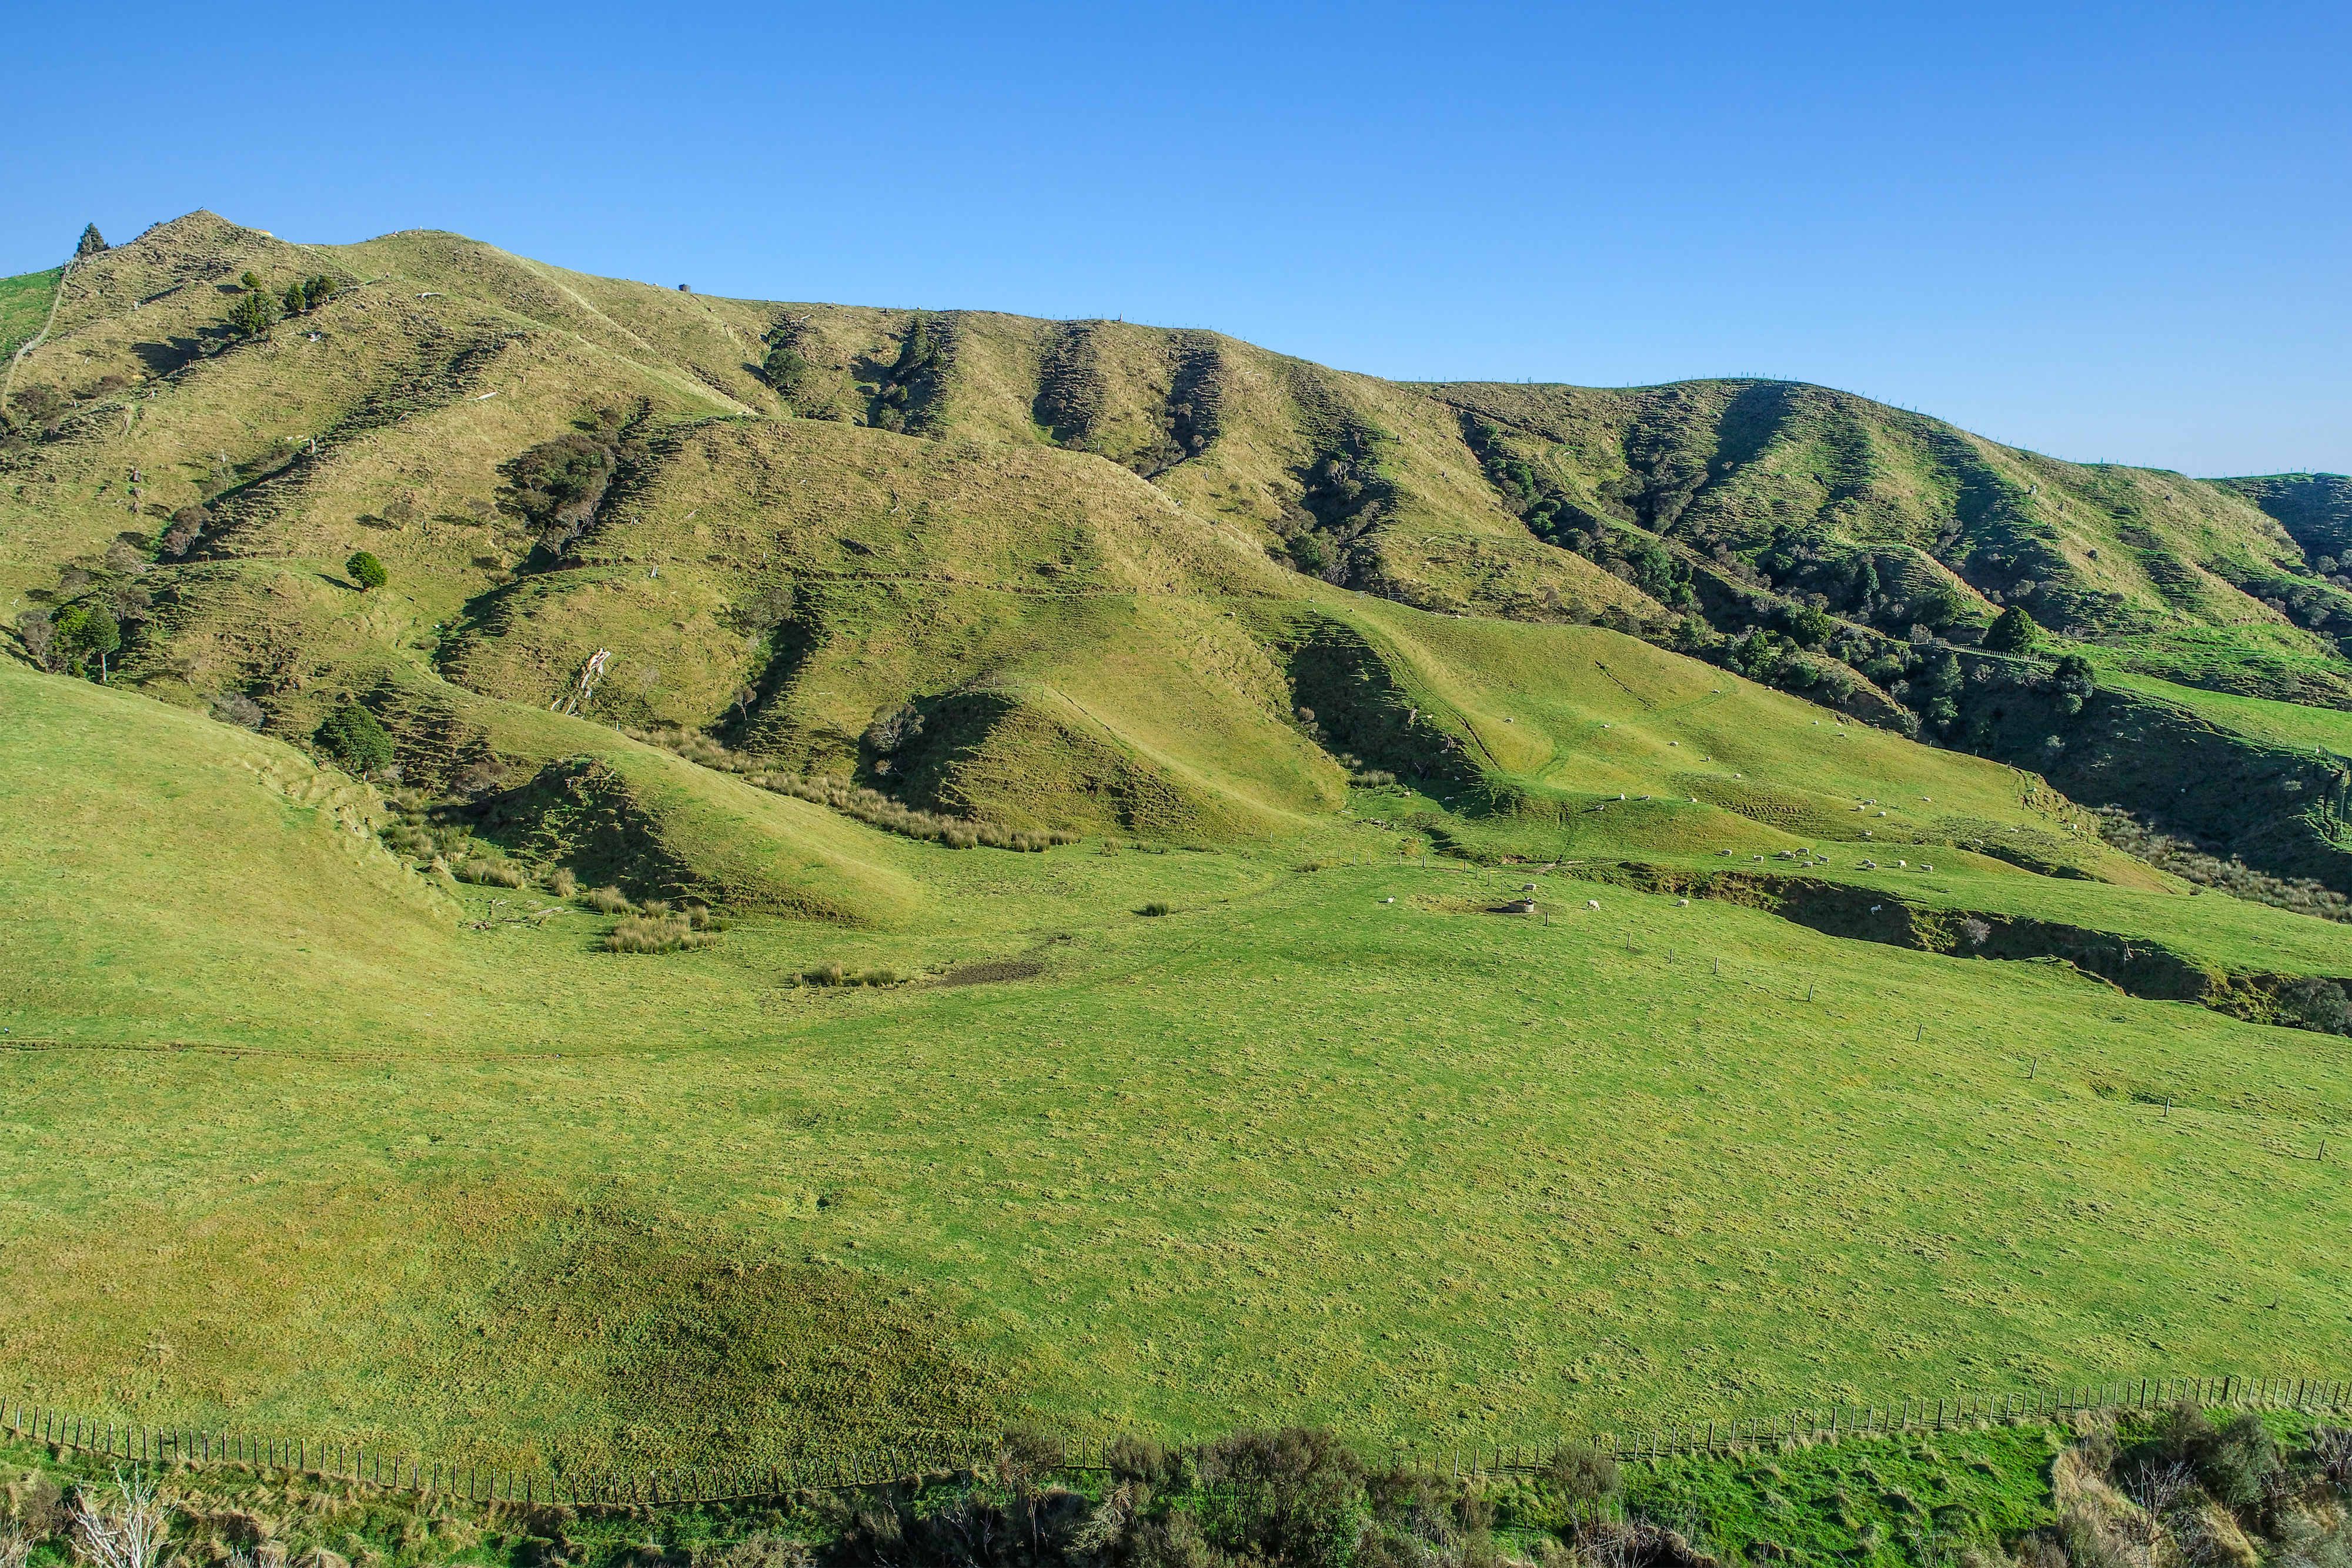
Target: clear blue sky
2103 231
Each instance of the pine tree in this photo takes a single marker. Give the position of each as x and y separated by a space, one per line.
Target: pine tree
91 243
253 315
2012 632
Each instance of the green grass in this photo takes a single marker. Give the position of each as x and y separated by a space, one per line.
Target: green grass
302 1135
24 305
1288 1153
2275 723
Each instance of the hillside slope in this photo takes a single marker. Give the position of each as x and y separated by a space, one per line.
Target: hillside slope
1221 891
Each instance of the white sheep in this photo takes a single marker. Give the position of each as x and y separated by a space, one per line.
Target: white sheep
1592 903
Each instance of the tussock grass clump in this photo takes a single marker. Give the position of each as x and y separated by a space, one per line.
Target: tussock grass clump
694 745
881 811
607 901
830 974
662 933
1154 910
490 873
561 883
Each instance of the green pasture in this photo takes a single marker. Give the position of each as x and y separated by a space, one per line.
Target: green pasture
287 1141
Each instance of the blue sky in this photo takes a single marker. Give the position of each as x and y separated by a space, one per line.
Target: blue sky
2107 232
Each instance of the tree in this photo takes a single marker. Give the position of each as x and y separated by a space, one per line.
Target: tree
786 371
90 243
367 572
90 631
2076 682
353 737
253 315
252 282
2012 632
1806 625
294 301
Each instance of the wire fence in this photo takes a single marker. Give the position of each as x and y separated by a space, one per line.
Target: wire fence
934 1454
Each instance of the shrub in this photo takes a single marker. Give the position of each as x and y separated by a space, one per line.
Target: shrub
354 739
557 483
2185 859
1295 1491
1581 1474
39 636
1153 909
188 525
607 901
2236 1464
236 707
2317 1004
367 572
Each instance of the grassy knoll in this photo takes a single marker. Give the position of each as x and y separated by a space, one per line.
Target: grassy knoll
1288 1152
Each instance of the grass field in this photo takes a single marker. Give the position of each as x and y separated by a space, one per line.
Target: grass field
1246 1106
1290 1150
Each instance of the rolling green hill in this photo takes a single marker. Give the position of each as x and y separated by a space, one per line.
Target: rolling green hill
1835 1048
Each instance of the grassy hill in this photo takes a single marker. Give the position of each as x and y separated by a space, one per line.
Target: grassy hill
1828 1054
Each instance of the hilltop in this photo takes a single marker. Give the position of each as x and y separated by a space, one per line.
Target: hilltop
1191 888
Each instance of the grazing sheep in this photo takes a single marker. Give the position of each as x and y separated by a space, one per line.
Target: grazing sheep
1592 903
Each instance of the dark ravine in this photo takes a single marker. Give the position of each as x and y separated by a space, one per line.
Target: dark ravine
2133 965
2278 809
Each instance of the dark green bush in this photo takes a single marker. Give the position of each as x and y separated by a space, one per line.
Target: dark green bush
358 743
367 572
2012 632
254 314
1154 910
